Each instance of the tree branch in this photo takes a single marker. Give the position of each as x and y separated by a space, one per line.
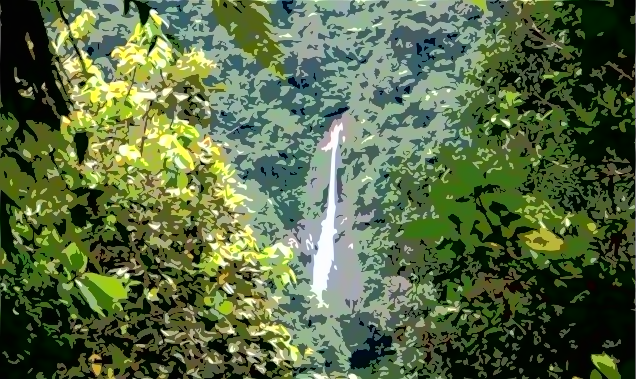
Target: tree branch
70 36
548 39
621 72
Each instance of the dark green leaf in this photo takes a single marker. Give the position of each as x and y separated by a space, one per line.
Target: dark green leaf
249 25
142 7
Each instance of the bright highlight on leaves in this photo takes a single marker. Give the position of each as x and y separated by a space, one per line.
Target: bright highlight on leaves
542 240
76 260
102 292
606 365
481 4
156 180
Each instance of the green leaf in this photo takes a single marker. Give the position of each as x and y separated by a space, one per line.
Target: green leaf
595 375
181 158
481 4
294 353
606 365
75 260
61 39
556 76
609 97
284 279
119 359
88 295
219 306
182 180
511 97
102 291
225 308
186 133
285 250
248 23
142 7
542 240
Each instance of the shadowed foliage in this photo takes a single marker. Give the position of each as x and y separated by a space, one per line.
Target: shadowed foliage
484 189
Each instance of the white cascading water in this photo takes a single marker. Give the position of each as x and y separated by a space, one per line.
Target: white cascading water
324 257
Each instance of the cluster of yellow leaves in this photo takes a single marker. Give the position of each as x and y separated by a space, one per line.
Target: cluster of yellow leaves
125 127
131 139
78 29
145 154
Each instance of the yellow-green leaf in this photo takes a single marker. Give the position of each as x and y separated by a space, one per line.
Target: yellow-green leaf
294 353
225 308
285 250
606 365
75 260
102 291
481 4
542 240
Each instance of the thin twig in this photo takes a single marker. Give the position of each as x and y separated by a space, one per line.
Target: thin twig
143 136
70 36
132 82
60 68
621 72
548 39
484 212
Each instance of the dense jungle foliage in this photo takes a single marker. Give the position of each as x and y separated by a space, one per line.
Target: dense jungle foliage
164 184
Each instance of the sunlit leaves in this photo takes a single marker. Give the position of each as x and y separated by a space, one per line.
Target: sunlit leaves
79 28
83 24
542 240
75 66
152 200
190 64
158 20
186 133
175 155
78 121
74 260
277 254
510 98
146 53
130 153
121 100
130 57
606 365
161 55
103 293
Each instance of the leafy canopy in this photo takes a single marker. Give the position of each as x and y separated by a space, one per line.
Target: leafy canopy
130 211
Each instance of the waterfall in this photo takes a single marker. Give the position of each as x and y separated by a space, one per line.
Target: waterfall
324 257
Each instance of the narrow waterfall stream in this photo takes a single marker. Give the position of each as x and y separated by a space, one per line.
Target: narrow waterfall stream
324 257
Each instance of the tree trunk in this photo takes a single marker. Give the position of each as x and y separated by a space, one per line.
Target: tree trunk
25 53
